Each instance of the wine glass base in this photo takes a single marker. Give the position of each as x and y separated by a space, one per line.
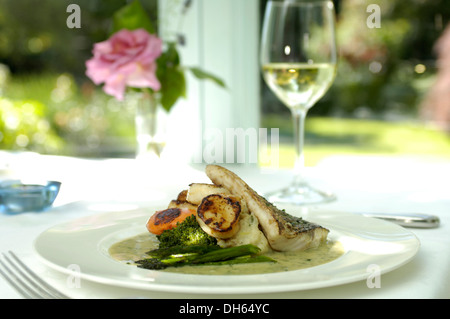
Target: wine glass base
300 195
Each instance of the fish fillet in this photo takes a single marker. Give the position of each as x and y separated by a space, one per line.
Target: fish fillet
283 231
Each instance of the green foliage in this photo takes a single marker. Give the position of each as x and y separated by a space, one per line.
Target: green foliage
203 75
186 233
376 67
132 17
84 119
31 42
24 125
343 136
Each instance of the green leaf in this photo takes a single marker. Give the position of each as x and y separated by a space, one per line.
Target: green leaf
171 77
170 57
173 86
132 17
202 75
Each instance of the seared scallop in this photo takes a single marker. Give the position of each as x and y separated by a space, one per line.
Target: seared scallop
198 191
218 215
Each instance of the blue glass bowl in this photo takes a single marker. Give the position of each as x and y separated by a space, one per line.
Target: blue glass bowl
17 197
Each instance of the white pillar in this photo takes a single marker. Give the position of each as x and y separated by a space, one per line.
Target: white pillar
222 37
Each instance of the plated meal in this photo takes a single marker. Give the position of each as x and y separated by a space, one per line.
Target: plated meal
282 252
226 228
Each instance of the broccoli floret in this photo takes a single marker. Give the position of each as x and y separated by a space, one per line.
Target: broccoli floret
186 233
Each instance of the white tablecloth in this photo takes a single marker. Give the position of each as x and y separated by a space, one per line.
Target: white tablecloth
376 184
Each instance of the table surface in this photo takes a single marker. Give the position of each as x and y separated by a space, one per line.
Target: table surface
361 183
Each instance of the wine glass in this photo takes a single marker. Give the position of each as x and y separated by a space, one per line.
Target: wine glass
298 60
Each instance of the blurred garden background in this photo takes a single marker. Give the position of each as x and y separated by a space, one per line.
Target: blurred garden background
388 97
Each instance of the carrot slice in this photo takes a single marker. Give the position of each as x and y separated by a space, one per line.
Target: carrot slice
167 219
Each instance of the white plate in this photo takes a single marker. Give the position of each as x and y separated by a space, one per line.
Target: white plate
85 243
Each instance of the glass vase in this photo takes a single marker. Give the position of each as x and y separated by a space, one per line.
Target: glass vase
150 124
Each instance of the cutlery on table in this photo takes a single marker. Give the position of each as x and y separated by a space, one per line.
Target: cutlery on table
412 220
24 280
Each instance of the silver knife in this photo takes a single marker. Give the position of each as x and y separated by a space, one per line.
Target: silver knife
408 219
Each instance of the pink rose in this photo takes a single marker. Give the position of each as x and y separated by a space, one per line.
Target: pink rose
128 58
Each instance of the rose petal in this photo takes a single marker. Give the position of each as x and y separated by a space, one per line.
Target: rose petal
115 86
127 58
144 76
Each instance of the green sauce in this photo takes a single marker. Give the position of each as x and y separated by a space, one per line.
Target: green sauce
134 248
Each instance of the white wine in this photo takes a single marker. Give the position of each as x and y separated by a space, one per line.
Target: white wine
299 85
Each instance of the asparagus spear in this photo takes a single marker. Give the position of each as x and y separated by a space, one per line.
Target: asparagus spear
226 253
162 253
241 260
202 256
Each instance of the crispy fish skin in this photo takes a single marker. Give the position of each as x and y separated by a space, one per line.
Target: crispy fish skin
283 231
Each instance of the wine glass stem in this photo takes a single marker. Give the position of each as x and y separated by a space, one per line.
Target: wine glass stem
299 140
